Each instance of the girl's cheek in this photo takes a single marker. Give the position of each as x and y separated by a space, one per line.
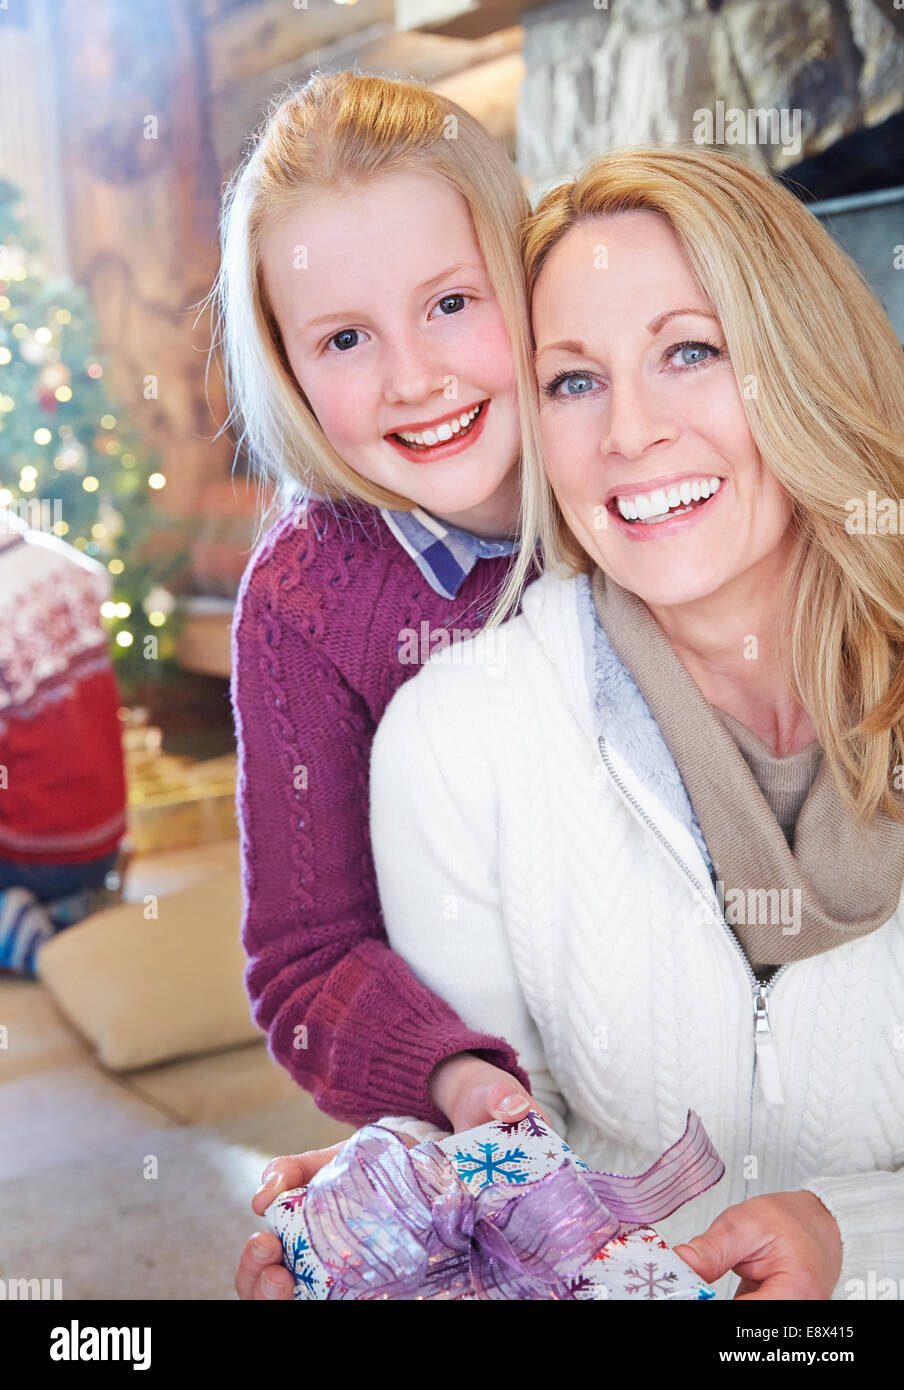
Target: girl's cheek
489 355
345 410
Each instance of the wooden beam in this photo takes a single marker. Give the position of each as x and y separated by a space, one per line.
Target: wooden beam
258 38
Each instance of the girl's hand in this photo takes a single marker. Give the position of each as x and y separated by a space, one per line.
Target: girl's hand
471 1092
261 1273
784 1245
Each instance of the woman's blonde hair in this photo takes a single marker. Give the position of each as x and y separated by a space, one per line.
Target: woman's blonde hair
334 132
821 377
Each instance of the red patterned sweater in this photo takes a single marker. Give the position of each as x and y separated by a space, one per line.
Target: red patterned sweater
62 782
326 606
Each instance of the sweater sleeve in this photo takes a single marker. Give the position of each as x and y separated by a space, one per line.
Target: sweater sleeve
344 1014
434 827
869 1210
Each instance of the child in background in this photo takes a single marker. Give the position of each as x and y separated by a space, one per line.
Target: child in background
371 306
62 781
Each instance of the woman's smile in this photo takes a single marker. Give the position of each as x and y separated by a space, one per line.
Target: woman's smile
653 513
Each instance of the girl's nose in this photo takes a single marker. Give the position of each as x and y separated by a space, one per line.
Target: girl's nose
411 374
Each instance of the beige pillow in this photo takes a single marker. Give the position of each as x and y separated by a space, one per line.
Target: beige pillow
148 990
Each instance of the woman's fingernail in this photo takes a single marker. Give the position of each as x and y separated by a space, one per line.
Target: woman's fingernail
261 1247
513 1103
271 1288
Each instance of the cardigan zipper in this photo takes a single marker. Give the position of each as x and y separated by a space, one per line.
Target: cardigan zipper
766 1062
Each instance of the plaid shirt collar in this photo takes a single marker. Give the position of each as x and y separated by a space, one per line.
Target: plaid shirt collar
444 554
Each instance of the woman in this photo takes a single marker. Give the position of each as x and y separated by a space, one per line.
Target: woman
699 708
714 698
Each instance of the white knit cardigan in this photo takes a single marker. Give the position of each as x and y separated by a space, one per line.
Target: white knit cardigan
553 888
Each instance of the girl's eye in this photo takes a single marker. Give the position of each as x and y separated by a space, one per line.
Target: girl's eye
685 355
575 384
348 338
451 304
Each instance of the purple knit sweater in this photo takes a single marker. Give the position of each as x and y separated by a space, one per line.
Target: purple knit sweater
315 661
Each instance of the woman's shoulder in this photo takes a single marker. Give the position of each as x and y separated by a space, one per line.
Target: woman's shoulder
457 684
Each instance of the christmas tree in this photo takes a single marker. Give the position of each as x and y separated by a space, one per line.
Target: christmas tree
68 463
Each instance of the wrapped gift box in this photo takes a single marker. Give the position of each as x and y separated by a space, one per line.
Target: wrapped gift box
509 1158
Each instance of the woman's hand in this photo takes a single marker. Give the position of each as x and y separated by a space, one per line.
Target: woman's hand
471 1092
261 1273
784 1245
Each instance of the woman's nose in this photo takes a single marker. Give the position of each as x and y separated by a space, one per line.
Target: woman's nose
637 419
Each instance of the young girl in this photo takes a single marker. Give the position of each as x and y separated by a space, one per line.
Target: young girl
371 305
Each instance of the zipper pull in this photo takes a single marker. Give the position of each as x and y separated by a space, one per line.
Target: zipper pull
766 1059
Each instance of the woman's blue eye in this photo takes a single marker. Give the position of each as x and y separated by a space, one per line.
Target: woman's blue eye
693 354
348 338
576 384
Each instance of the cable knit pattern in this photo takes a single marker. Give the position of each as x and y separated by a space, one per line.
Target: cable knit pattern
581 937
315 649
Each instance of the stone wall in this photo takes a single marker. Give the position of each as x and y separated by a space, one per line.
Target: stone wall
638 70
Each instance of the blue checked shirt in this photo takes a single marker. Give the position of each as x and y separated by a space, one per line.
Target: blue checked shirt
444 554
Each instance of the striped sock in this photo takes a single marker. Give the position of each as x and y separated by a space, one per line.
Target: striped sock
24 926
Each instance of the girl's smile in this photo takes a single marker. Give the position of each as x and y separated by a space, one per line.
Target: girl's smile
438 439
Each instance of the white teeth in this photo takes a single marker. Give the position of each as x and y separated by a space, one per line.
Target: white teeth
659 502
442 433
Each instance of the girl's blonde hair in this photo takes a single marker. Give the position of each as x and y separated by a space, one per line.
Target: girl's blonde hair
334 132
821 377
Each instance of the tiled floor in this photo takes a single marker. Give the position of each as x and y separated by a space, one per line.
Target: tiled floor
77 1198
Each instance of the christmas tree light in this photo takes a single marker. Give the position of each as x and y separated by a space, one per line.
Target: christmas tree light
68 464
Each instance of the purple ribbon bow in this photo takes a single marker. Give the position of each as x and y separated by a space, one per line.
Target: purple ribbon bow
389 1222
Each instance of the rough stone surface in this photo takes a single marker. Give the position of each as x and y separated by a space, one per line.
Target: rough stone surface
882 74
638 71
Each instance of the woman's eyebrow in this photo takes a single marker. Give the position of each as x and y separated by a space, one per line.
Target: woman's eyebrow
653 327
656 324
567 346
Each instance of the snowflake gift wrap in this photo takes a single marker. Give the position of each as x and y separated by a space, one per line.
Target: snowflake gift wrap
504 1211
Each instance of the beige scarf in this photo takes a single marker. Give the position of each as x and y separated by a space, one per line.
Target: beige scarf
830 881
